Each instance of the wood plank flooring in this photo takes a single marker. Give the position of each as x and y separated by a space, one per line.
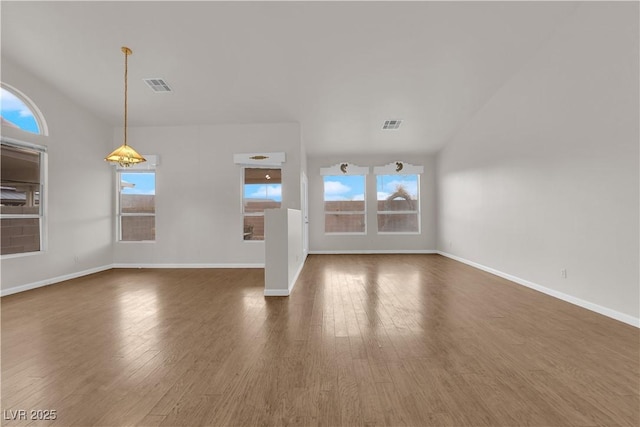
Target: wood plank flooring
364 340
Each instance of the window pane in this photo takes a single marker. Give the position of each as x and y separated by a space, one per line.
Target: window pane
344 193
398 203
20 199
344 206
397 187
259 198
398 223
20 181
137 206
20 190
138 228
20 235
20 165
262 189
138 193
344 223
253 228
15 113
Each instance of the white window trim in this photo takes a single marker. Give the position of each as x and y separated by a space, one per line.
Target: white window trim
150 168
342 169
44 194
398 168
260 160
242 174
37 114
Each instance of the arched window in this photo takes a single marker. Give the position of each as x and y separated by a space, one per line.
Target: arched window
17 111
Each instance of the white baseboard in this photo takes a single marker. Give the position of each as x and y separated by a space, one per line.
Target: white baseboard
286 292
625 318
295 276
230 265
276 293
374 251
53 280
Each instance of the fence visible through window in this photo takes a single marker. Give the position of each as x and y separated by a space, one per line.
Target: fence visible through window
137 206
344 204
398 203
22 191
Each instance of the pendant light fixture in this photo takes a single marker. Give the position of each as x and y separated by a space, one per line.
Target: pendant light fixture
125 155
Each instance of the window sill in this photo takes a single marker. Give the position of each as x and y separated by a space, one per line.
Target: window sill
346 233
20 255
406 233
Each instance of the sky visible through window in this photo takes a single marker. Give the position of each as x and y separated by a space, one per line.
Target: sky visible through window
351 187
263 192
343 187
16 113
138 183
388 184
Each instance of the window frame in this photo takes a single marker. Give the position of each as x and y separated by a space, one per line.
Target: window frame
362 212
43 129
400 169
244 214
345 169
120 214
42 216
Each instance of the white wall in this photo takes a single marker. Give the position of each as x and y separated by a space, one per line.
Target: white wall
545 176
304 197
284 256
198 191
371 242
79 189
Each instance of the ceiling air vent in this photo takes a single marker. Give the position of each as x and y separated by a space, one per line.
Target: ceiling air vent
391 124
157 85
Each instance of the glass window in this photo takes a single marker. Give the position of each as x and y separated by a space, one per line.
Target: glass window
22 190
15 113
262 189
137 206
398 203
344 205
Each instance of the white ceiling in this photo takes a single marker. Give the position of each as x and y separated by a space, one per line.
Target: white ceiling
338 68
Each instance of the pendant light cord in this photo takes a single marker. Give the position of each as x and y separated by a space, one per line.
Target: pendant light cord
126 69
125 155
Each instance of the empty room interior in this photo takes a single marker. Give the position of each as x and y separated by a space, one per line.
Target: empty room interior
320 213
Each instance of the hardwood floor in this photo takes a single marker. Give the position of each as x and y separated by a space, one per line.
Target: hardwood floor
417 340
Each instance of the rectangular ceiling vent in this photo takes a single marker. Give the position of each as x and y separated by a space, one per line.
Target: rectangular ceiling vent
157 85
391 124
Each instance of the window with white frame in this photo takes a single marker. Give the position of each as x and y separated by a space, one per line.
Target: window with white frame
22 197
398 198
345 209
261 189
17 111
136 205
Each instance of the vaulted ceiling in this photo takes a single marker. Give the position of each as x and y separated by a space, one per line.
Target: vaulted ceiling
338 68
